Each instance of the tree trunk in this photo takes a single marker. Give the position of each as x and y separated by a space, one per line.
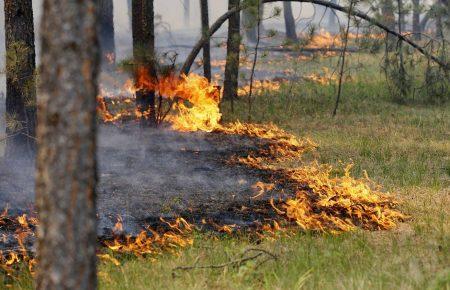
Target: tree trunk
232 64
66 160
401 14
187 12
207 46
332 23
144 56
388 17
107 45
289 22
439 14
20 78
416 19
250 21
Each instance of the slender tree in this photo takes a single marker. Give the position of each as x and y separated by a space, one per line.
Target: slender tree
333 23
232 64
416 19
107 45
144 56
207 46
66 160
388 17
187 12
250 20
289 22
20 77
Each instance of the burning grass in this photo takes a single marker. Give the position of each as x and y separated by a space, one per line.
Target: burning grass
312 196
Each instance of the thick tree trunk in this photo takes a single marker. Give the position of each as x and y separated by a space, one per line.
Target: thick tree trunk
416 19
232 64
207 46
289 21
144 56
66 160
107 45
20 78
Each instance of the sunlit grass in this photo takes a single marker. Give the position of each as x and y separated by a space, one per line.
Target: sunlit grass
405 148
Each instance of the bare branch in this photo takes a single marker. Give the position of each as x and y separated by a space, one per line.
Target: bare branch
221 20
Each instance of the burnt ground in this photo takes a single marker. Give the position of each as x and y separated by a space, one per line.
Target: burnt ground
145 175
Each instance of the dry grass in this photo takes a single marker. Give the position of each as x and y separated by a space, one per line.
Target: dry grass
404 148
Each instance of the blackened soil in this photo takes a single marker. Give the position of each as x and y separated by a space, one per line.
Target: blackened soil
153 173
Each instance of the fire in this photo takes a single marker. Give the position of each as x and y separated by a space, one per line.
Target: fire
326 77
24 227
110 57
325 39
321 201
259 87
151 241
193 102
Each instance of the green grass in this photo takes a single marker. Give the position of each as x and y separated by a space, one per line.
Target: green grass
405 148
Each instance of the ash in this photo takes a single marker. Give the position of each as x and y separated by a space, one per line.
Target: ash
145 174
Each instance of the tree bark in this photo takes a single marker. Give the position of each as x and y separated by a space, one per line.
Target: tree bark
20 78
232 64
289 22
144 56
66 161
207 45
416 19
107 45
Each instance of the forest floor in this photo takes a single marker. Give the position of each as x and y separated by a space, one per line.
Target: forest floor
405 148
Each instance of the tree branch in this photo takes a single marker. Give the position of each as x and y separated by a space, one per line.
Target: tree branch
222 19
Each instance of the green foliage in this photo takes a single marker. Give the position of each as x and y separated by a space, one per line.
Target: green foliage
405 148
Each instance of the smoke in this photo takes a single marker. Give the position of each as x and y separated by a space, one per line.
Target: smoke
160 172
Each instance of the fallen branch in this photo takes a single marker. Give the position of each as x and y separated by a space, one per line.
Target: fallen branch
221 20
307 49
236 262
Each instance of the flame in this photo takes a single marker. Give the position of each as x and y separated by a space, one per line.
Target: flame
259 87
110 57
152 242
325 39
194 102
327 77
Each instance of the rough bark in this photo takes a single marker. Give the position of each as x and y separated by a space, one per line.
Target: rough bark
20 78
144 55
289 21
66 160
107 45
232 64
416 19
207 45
